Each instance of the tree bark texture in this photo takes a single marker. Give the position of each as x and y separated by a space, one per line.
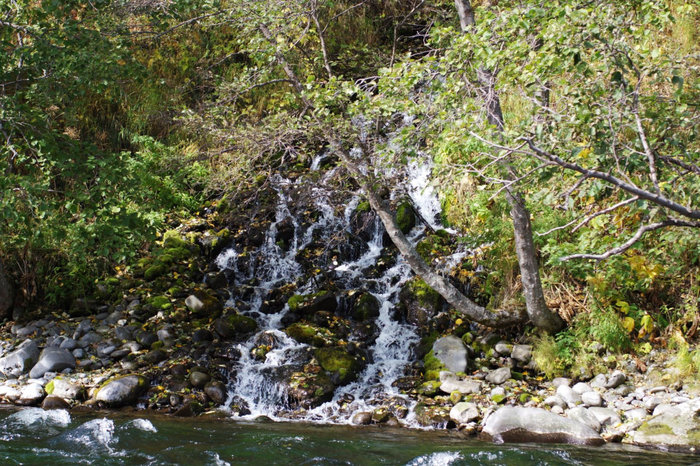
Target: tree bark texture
538 312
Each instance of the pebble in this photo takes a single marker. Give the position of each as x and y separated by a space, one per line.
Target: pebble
592 399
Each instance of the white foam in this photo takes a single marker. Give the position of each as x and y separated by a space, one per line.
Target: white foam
444 458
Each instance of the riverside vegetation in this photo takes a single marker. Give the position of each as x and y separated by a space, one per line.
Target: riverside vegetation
480 216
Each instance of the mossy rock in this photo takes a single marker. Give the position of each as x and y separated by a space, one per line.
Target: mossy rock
202 304
366 307
178 253
308 390
498 398
429 388
363 207
338 361
432 367
119 391
421 302
155 271
308 304
160 302
405 217
304 332
172 239
232 325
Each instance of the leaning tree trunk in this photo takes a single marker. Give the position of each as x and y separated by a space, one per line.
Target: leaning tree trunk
6 293
452 295
538 312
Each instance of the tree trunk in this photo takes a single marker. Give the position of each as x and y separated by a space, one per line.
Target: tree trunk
6 293
538 312
441 285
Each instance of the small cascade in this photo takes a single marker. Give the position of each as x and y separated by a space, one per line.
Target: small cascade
259 386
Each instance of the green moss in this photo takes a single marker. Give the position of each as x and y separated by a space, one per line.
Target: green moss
429 388
425 295
172 239
49 387
156 345
155 271
655 429
405 217
338 360
432 367
160 302
363 207
366 307
178 253
524 397
242 324
498 399
294 302
310 334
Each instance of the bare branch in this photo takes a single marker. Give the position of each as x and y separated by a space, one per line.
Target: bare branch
630 188
630 242
605 211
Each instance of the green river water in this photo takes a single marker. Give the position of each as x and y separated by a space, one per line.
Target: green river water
33 436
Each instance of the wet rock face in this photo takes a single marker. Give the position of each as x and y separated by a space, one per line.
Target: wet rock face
6 293
19 361
517 424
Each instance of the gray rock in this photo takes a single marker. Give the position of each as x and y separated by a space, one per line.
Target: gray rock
557 382
20 360
636 414
497 391
199 379
616 379
69 344
122 390
581 388
663 408
54 402
194 304
650 403
555 400
52 360
557 410
503 348
79 353
584 416
105 350
123 333
463 412
521 353
599 381
606 416
518 424
90 338
451 383
216 391
362 418
63 388
569 396
499 375
451 352
592 399
31 394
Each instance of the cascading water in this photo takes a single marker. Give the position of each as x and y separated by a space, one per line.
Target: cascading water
257 384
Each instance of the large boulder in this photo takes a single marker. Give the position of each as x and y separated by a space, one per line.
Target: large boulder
677 426
234 325
20 360
306 305
7 293
451 352
421 303
120 391
343 366
52 359
450 383
518 424
366 307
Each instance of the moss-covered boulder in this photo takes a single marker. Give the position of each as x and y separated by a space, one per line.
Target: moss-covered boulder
366 307
343 366
160 303
213 241
432 367
405 217
306 305
120 391
233 325
432 416
172 239
420 302
202 304
304 332
154 271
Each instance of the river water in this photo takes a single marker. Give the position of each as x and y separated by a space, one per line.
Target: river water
34 436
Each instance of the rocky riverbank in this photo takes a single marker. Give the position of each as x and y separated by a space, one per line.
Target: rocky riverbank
314 286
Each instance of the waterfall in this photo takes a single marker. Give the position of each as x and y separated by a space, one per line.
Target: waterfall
258 384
